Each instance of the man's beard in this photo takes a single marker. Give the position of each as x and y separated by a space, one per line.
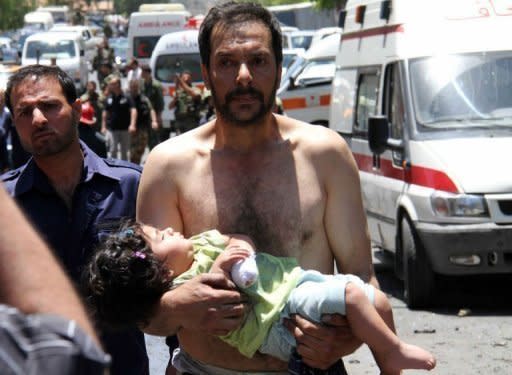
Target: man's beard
56 144
231 117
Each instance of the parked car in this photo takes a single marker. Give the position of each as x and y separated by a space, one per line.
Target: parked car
298 39
91 41
289 56
305 88
8 51
23 34
65 49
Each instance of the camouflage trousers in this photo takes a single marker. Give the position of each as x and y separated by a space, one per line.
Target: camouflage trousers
139 141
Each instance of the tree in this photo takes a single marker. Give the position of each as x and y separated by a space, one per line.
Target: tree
331 4
11 16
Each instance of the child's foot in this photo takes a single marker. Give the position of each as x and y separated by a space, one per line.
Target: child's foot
405 356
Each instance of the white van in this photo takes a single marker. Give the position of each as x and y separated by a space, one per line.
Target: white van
42 21
91 42
161 7
174 53
66 48
305 88
423 95
61 13
145 28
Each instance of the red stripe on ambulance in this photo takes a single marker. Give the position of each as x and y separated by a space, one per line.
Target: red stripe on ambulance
416 175
383 30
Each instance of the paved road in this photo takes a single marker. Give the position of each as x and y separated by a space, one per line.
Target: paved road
470 334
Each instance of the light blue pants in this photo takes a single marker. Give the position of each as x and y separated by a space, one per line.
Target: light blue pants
315 295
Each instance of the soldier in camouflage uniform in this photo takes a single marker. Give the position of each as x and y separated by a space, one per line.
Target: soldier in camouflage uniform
153 90
146 120
186 103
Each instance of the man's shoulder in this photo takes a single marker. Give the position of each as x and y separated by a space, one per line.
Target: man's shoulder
119 166
314 138
304 130
156 84
11 176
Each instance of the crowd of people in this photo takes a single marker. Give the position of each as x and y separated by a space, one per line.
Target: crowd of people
249 171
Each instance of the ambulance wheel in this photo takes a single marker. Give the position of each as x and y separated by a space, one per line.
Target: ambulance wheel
417 271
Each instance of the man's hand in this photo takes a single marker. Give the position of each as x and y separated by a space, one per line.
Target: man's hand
321 345
208 303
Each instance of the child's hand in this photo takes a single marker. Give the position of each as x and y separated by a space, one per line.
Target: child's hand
228 258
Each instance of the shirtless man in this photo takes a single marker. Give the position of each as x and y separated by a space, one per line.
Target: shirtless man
293 187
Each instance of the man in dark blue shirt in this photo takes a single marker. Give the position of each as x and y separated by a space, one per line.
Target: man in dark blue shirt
119 117
71 195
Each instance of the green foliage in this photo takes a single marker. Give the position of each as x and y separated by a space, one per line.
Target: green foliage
11 15
130 6
331 4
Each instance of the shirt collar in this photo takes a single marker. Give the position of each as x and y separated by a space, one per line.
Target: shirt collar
31 177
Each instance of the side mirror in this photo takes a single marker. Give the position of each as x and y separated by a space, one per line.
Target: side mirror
378 133
292 83
82 53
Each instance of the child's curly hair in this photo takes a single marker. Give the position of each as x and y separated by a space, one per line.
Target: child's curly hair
124 281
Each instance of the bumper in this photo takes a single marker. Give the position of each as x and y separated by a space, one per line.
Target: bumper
488 243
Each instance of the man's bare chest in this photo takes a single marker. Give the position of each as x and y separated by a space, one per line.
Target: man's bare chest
275 202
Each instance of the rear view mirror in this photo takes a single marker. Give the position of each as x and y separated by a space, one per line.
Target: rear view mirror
378 133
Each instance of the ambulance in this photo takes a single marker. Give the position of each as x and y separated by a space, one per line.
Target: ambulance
146 28
423 95
174 53
305 89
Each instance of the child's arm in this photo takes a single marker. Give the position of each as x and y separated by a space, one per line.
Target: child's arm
237 261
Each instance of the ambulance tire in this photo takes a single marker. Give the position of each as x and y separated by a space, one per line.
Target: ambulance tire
417 271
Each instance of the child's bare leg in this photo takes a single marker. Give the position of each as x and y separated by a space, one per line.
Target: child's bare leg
391 354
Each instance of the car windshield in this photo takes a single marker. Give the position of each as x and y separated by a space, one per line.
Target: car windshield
317 70
62 49
463 91
301 41
167 66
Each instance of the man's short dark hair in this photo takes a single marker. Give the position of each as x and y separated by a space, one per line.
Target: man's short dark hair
233 13
41 71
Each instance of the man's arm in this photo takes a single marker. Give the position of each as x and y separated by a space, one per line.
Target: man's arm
104 115
133 120
347 233
30 277
345 218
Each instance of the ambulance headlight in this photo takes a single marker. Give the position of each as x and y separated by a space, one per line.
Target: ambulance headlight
447 204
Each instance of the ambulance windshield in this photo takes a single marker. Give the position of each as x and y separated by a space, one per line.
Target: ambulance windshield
167 66
462 90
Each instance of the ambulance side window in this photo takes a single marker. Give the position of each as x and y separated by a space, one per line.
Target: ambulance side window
393 107
393 101
366 101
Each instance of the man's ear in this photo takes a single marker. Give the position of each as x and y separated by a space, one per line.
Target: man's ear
77 108
206 76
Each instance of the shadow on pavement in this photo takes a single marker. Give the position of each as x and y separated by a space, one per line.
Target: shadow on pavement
488 294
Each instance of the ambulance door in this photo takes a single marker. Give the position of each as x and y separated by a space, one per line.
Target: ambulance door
365 105
389 167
